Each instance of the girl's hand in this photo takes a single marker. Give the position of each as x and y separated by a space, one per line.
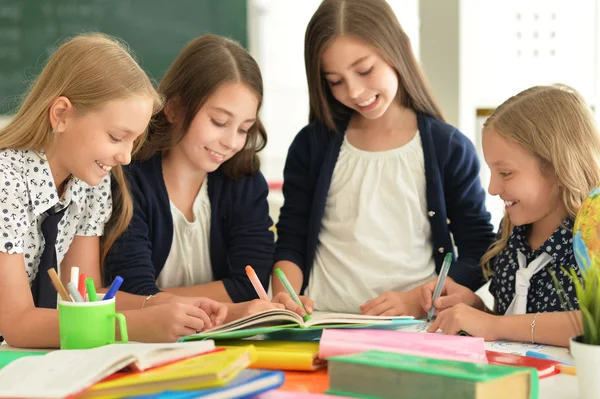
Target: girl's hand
394 304
466 318
452 294
243 309
166 322
286 300
217 311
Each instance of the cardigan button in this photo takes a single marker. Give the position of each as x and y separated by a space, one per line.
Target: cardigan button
431 213
441 250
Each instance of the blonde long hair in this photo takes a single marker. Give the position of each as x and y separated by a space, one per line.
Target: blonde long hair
90 70
555 124
375 23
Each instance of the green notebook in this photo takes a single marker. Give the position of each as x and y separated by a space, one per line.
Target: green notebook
383 375
7 356
281 320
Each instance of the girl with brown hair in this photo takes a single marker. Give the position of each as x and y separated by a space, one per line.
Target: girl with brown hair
378 188
201 212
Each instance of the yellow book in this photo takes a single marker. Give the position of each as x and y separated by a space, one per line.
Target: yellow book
200 372
282 355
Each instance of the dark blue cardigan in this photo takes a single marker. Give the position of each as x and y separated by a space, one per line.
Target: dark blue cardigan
454 193
239 232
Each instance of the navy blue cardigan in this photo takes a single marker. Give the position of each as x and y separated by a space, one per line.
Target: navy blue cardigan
239 232
454 193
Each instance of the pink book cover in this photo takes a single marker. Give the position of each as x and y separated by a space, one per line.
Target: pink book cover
336 342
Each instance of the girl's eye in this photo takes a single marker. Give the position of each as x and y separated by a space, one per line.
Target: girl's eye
114 139
337 82
365 73
243 131
218 124
505 174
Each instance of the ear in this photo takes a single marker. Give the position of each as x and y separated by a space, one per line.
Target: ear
171 109
60 109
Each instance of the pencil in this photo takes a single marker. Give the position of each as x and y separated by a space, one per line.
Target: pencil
60 288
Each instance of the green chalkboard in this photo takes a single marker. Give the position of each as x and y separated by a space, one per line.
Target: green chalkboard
156 30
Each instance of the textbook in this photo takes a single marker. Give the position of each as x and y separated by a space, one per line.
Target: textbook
276 320
545 368
281 355
386 375
247 384
200 372
63 373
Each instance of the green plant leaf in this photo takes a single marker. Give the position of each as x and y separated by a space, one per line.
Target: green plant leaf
590 330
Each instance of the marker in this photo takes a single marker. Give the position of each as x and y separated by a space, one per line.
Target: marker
440 284
81 286
74 293
290 291
260 290
91 289
563 368
60 288
546 357
75 276
114 287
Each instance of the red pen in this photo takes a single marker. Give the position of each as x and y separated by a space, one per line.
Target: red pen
81 287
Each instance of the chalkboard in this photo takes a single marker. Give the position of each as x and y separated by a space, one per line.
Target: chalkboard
156 31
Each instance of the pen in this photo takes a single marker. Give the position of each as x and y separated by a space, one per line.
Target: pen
256 283
290 290
60 288
74 293
563 368
114 287
89 283
75 276
81 286
440 284
546 357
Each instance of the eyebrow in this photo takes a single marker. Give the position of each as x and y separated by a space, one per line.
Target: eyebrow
124 130
229 113
355 63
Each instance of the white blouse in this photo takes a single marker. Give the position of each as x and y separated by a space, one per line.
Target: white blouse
375 234
28 191
188 262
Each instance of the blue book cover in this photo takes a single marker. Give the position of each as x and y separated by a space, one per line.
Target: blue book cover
250 382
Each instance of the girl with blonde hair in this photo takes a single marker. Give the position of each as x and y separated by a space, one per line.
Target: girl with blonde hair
543 149
372 181
83 117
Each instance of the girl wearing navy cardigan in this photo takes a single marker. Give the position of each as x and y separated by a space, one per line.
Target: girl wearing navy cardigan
200 203
377 182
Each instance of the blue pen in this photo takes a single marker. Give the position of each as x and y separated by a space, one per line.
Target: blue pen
114 287
539 355
440 284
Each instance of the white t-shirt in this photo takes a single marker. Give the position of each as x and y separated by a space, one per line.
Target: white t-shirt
188 262
28 191
375 234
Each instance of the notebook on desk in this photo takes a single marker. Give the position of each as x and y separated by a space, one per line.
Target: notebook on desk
281 355
276 320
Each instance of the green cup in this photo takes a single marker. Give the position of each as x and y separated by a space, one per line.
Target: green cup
85 325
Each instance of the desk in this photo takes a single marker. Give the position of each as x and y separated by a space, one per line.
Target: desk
561 386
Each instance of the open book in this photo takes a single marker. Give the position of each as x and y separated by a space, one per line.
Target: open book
64 373
274 320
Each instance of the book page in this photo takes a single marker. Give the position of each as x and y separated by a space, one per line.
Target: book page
321 318
272 317
153 355
60 373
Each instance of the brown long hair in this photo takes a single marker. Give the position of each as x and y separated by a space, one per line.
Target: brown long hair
375 23
556 125
202 66
90 70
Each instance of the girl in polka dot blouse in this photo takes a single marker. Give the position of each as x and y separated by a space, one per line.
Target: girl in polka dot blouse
83 116
543 150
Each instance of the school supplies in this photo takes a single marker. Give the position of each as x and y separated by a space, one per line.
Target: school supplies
114 287
211 370
81 286
9 356
547 357
91 289
304 381
246 385
440 284
545 368
86 325
260 290
283 320
395 376
60 374
290 290
281 355
58 286
280 394
75 276
439 346
74 293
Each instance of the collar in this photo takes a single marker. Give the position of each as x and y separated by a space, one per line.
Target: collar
558 245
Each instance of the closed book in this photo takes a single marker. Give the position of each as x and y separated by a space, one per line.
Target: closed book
545 368
281 355
384 375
